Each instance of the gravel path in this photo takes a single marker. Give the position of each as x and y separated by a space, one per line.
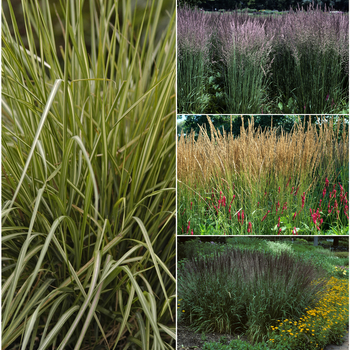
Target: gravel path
344 346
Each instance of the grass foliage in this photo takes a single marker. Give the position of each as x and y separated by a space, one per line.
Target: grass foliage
264 181
297 62
245 285
88 168
246 291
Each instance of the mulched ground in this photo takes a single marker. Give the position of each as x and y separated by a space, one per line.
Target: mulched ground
187 339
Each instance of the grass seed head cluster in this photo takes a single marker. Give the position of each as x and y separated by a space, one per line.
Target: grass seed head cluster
292 63
264 174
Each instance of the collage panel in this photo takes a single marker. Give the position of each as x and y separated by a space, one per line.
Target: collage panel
276 58
262 175
263 293
137 213
88 174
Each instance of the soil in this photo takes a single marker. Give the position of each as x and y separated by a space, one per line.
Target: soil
188 340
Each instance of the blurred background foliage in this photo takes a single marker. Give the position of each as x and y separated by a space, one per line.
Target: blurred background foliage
57 10
280 5
285 122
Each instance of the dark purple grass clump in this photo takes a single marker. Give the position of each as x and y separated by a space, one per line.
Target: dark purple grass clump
247 291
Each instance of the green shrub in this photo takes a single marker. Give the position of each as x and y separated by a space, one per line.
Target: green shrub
248 242
327 243
302 248
194 248
278 248
343 242
342 254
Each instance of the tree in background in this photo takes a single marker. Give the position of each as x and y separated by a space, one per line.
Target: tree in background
223 122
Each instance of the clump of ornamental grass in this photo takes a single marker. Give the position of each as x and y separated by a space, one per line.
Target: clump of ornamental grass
193 59
264 181
88 168
293 63
311 60
245 48
247 291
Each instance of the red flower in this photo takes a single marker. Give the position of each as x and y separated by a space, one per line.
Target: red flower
303 200
284 207
188 227
288 182
265 216
191 205
277 206
249 227
316 218
327 182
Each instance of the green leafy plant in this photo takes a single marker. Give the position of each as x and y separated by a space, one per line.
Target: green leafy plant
88 169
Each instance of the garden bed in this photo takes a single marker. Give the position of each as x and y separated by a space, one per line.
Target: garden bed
266 293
